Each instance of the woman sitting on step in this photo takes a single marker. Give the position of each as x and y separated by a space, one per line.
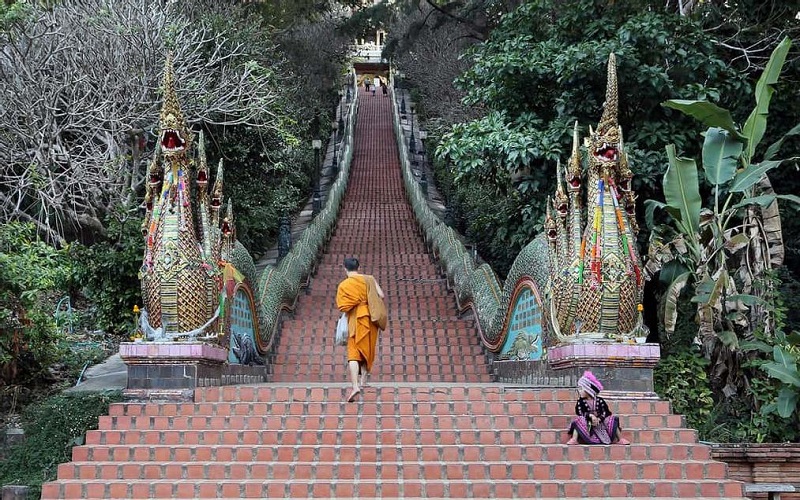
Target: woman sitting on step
594 423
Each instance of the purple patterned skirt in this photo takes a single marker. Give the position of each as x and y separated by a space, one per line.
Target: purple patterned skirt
588 434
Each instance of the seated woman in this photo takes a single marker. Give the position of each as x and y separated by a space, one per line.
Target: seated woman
594 423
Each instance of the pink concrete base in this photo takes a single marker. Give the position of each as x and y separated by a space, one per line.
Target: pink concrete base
615 354
161 352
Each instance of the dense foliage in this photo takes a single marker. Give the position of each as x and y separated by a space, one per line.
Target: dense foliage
52 427
32 274
541 68
534 79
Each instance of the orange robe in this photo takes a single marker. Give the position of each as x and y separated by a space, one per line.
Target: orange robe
351 298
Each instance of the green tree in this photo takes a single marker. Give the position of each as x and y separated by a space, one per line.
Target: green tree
542 68
724 251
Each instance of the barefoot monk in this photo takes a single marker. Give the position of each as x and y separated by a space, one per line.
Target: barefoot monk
355 296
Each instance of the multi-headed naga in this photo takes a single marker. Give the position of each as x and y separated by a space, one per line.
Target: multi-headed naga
595 281
196 277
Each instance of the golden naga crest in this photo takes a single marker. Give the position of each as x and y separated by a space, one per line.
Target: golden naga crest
596 283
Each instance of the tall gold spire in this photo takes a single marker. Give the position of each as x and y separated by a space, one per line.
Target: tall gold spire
611 105
175 135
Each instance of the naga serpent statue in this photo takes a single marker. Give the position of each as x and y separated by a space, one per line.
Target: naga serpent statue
596 280
579 281
198 281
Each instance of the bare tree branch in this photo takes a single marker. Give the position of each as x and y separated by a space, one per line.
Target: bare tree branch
77 78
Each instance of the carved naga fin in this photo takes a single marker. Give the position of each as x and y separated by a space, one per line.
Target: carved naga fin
574 166
228 230
561 208
609 118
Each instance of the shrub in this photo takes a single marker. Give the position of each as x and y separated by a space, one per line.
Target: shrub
52 427
32 276
681 378
109 274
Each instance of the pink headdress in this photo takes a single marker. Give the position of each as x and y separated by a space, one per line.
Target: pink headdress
590 384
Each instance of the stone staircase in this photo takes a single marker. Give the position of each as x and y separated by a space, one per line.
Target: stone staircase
430 423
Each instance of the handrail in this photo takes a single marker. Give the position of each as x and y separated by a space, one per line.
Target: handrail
476 287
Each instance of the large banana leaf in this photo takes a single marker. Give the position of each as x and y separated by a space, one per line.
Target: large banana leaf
671 301
682 190
721 153
773 149
708 113
787 402
784 368
756 123
746 178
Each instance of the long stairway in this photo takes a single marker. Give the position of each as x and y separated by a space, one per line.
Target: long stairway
430 423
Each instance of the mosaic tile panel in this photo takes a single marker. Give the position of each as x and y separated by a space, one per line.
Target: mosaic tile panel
524 339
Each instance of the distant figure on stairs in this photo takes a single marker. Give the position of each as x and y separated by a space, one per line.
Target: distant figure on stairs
360 296
594 423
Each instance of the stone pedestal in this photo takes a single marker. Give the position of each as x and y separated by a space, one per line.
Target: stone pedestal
173 370
15 492
626 370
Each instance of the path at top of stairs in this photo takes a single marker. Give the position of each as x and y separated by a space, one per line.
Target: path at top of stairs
430 423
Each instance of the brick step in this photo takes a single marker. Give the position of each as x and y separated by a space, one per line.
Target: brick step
364 251
442 315
320 373
434 326
332 364
376 267
418 258
371 488
420 393
392 294
367 453
390 393
412 289
382 422
397 337
388 343
390 437
405 358
393 470
370 404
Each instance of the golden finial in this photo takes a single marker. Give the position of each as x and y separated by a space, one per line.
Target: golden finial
611 105
175 135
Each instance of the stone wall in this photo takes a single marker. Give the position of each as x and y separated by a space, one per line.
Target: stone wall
762 463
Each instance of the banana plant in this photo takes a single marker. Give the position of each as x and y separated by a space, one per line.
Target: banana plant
722 248
784 367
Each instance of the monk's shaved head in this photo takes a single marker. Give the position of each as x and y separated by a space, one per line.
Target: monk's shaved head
351 263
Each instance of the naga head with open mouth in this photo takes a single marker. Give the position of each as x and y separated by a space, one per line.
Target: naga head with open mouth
604 145
171 140
174 137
